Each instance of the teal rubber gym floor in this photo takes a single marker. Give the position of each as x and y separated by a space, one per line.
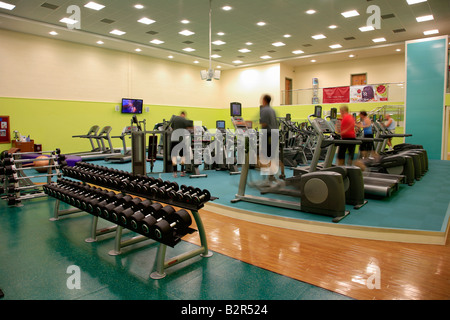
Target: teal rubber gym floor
35 252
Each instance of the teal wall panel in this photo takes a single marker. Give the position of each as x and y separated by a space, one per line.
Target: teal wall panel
426 67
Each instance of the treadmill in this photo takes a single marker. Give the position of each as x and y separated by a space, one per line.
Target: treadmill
126 155
92 133
103 151
379 185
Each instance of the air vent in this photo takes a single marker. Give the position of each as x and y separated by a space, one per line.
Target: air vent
49 6
240 57
152 32
217 50
307 45
271 51
388 16
108 21
350 38
399 30
188 42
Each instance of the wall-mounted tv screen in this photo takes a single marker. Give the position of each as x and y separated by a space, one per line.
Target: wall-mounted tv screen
132 106
236 109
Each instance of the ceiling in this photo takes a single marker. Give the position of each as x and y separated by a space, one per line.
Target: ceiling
239 25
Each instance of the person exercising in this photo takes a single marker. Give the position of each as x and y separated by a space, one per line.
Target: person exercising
179 122
366 147
390 125
347 132
268 122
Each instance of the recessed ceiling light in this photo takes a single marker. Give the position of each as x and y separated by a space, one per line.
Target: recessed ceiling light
237 61
379 40
297 51
188 49
249 43
139 6
156 41
6 6
261 23
244 50
94 6
351 56
219 67
332 26
146 21
226 8
100 42
170 57
265 57
278 44
186 33
351 13
318 36
218 42
398 50
53 33
425 18
410 2
138 50
220 33
68 21
311 11
287 36
428 32
185 21
118 32
196 61
335 46
216 56
313 60
366 28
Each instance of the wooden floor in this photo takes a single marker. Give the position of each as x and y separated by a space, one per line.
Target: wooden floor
340 264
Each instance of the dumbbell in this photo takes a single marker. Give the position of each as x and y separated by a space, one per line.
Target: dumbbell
199 196
98 208
147 188
179 195
117 211
82 201
164 191
134 219
171 225
150 220
106 211
91 204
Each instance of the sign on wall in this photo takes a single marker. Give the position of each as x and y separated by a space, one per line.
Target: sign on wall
369 93
336 95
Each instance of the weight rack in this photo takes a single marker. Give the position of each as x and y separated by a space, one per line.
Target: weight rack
122 182
17 185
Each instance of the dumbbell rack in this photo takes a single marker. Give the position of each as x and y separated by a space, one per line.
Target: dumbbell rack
120 185
17 185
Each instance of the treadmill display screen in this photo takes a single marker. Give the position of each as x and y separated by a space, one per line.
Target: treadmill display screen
220 124
133 106
236 109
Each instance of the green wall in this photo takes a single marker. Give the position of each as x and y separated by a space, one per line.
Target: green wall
52 123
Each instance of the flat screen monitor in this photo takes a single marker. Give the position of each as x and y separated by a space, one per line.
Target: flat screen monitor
133 106
236 109
318 111
220 124
333 113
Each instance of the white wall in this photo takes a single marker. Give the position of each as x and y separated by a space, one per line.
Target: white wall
383 69
42 68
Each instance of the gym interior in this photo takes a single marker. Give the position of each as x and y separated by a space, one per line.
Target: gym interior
94 207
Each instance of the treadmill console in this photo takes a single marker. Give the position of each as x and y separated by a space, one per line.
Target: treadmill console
239 123
322 125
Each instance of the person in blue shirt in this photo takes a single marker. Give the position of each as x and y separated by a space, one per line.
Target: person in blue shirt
366 149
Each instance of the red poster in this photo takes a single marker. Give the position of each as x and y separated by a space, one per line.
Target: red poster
4 130
336 95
